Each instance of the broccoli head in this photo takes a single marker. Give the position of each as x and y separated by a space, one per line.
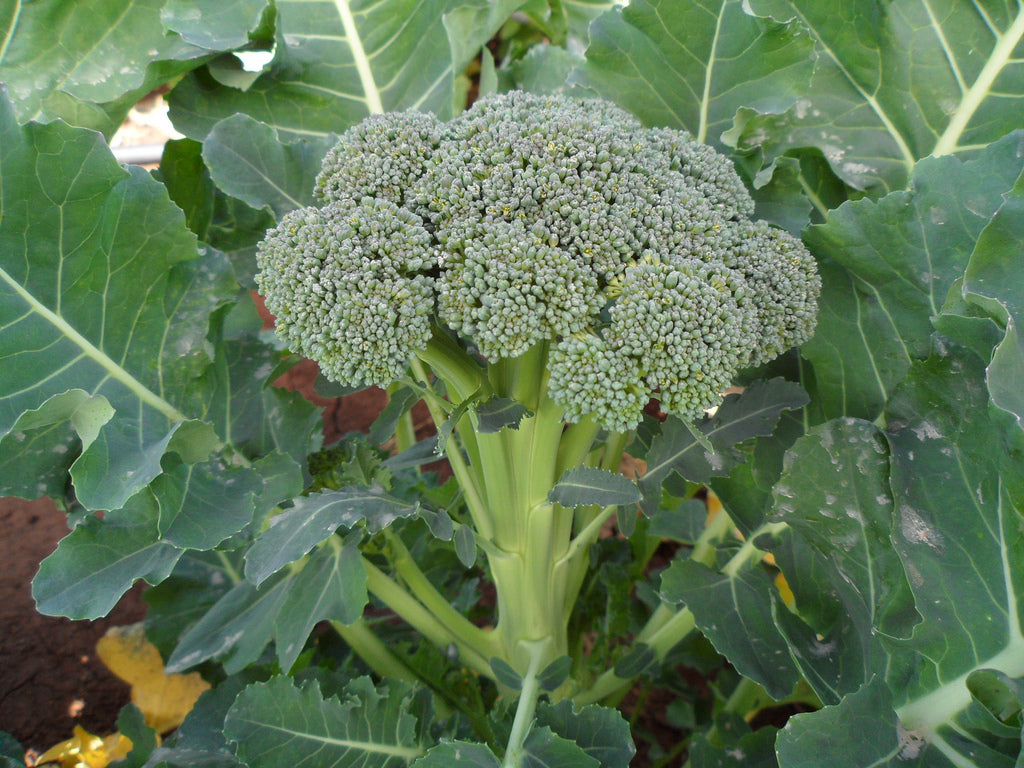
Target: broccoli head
627 253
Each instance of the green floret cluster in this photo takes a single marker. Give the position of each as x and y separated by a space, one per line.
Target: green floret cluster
627 254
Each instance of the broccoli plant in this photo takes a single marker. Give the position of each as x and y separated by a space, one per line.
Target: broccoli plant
552 258
569 229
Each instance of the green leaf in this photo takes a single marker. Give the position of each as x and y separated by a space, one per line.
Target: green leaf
991 283
96 265
199 580
100 560
859 731
544 69
399 402
58 57
636 662
734 611
589 485
313 518
338 62
601 732
27 456
505 674
957 496
188 183
834 494
131 722
900 256
465 545
544 748
458 754
248 161
331 585
692 65
202 504
214 24
1003 696
500 413
753 413
279 725
897 82
752 750
235 630
555 673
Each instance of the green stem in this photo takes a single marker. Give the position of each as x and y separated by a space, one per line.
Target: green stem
587 536
423 621
370 649
577 441
405 432
749 551
458 625
525 709
460 372
475 501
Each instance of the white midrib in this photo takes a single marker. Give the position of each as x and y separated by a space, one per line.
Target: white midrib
10 31
706 96
116 372
359 57
924 715
396 750
1001 54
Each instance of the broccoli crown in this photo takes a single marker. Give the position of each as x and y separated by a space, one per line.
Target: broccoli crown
529 219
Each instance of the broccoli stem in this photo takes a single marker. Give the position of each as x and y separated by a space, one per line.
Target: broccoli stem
424 620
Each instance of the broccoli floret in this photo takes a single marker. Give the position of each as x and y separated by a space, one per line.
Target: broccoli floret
626 254
349 287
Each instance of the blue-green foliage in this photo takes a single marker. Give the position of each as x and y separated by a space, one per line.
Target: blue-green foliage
540 220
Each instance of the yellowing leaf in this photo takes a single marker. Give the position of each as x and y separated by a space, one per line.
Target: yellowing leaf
783 586
84 750
164 699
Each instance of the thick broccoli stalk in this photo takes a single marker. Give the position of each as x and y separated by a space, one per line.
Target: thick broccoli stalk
553 251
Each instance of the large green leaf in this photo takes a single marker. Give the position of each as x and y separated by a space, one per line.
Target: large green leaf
692 65
900 257
993 281
332 585
834 494
956 530
279 725
97 267
337 62
89 62
898 81
236 629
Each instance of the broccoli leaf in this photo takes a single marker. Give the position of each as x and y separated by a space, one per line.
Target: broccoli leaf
338 62
315 517
278 724
249 162
589 485
753 413
990 281
692 65
877 311
898 82
88 64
